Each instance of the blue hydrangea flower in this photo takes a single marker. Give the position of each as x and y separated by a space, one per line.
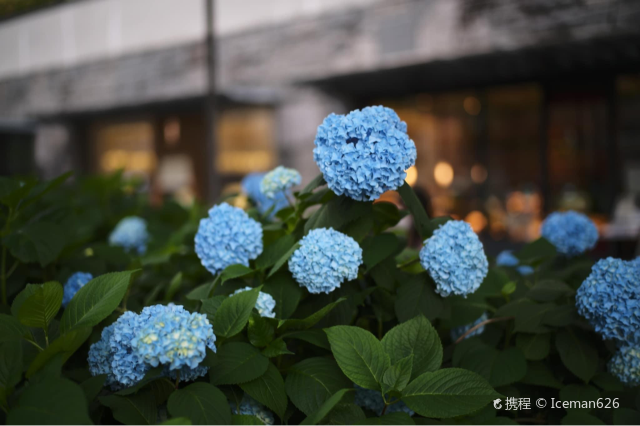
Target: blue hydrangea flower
459 331
174 337
610 300
264 305
506 258
324 260
525 270
73 284
131 234
570 232
372 400
625 365
227 237
455 259
115 356
251 187
364 153
125 356
278 181
251 407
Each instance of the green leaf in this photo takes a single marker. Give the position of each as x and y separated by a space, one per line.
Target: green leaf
11 329
397 418
536 252
508 288
415 337
43 188
626 416
269 390
22 296
283 259
64 345
275 252
326 407
579 393
534 346
538 374
448 393
608 382
10 364
310 321
181 421
50 401
276 348
210 306
236 362
41 307
417 297
138 409
40 242
336 213
528 314
151 375
499 368
317 182
92 386
245 419
259 331
548 291
174 286
285 291
398 375
415 207
312 381
202 403
95 301
577 353
346 413
581 418
314 336
234 312
359 354
378 248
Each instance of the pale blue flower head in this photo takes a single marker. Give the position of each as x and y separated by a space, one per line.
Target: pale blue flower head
264 305
73 284
525 270
251 407
455 259
251 187
131 234
278 181
364 153
227 237
625 365
113 354
325 259
610 299
506 258
372 400
174 337
572 233
459 331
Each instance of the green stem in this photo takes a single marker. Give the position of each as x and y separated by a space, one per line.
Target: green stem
46 337
35 344
177 378
4 275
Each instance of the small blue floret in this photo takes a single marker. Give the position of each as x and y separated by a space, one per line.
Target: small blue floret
73 284
131 234
278 181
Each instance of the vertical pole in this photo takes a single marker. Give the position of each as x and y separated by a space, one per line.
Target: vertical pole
212 185
544 150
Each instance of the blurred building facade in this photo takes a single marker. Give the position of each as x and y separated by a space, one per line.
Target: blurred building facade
517 107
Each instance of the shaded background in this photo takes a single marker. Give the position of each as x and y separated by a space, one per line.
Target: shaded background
517 107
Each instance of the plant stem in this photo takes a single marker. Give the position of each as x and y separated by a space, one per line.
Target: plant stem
35 344
483 323
409 263
177 378
4 275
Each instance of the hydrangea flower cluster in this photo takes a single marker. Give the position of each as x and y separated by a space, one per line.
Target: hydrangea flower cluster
610 300
506 258
278 181
73 284
455 259
251 187
625 365
227 237
159 335
251 407
264 305
572 233
325 259
459 331
364 153
372 400
131 234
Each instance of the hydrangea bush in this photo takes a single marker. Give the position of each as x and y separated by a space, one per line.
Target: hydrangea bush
305 308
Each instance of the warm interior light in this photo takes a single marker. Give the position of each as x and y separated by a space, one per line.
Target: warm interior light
472 105
412 175
172 131
477 221
443 174
478 173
